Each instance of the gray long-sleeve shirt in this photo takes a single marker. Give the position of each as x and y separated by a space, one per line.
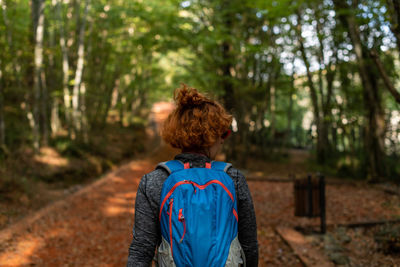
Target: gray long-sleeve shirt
146 230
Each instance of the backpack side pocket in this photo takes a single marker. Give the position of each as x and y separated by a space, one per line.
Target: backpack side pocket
235 254
165 258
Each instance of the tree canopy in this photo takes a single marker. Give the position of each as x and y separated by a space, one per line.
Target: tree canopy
320 75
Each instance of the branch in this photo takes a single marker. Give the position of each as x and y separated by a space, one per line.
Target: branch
389 85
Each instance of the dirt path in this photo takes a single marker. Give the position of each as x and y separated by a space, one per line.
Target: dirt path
92 227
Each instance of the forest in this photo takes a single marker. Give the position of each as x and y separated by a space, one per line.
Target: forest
316 75
79 80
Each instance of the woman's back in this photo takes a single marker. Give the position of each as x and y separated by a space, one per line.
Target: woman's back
147 229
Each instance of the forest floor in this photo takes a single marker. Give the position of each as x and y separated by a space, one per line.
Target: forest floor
93 226
30 181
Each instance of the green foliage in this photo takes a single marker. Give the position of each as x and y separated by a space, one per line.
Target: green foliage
70 148
246 53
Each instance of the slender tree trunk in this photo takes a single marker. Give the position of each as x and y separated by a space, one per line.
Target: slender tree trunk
226 78
329 78
290 111
226 48
226 68
85 124
3 6
108 99
65 69
44 99
271 95
321 145
320 55
2 124
38 22
45 103
55 118
121 108
267 101
43 108
51 70
135 103
77 115
334 138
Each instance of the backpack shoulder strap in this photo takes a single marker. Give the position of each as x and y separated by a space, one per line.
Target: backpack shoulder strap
220 165
171 166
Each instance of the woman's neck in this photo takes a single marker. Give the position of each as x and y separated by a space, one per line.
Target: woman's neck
203 153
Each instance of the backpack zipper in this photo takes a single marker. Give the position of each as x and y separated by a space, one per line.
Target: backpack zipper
171 203
181 218
194 185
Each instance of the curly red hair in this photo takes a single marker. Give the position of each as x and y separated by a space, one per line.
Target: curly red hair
196 123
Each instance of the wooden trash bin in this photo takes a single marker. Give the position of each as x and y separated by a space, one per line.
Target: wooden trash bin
309 198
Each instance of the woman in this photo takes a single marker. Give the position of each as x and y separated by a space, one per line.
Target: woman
198 127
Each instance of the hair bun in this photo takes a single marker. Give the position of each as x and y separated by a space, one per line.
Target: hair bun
188 97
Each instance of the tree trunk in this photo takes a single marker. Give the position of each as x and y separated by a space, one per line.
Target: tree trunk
321 145
108 98
329 78
76 113
65 68
290 111
3 6
271 95
55 118
375 128
43 108
84 120
386 80
2 124
226 67
227 77
52 71
121 108
38 23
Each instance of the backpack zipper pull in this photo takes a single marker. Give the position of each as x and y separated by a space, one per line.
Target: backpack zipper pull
181 218
194 187
171 200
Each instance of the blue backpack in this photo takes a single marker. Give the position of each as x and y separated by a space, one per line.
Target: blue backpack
198 217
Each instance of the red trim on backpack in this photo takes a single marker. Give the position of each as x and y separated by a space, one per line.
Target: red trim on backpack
208 165
213 182
171 203
194 184
235 213
186 165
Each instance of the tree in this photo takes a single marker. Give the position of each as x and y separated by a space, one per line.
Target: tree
375 128
77 112
38 78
